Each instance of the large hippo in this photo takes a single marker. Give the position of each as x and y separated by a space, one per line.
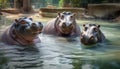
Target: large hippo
22 32
63 25
91 34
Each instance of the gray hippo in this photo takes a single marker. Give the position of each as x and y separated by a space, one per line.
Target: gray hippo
63 25
23 32
91 34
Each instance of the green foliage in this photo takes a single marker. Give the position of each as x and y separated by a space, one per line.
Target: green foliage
84 3
63 2
75 3
110 1
94 1
0 3
3 3
39 3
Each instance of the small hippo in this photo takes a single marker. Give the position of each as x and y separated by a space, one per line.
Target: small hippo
63 25
23 32
91 34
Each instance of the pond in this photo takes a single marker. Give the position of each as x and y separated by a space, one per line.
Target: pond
65 53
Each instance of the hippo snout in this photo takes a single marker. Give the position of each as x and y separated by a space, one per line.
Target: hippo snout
36 27
88 40
66 29
92 40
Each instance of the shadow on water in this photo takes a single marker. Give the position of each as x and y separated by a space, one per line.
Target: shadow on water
95 64
3 61
65 53
20 56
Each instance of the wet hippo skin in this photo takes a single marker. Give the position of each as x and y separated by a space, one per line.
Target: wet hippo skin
91 34
22 32
63 25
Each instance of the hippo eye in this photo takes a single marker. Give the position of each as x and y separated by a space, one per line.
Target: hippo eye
83 25
85 28
31 19
62 17
71 17
71 26
95 29
63 25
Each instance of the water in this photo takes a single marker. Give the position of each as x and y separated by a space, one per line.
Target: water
65 53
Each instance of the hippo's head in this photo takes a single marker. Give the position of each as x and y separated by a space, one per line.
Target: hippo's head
66 22
90 34
27 28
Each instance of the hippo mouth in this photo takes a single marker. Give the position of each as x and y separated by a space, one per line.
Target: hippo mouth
31 31
37 31
88 41
66 31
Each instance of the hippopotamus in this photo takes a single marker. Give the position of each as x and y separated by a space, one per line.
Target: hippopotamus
63 25
22 32
91 34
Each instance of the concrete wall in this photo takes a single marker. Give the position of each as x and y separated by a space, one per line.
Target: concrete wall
100 10
50 12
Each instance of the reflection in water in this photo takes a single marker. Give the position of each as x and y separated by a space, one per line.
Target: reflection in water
21 57
3 61
95 64
65 53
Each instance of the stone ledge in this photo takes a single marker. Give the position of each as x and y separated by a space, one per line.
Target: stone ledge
101 10
50 12
11 10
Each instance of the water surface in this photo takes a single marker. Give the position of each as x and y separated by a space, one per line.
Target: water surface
65 53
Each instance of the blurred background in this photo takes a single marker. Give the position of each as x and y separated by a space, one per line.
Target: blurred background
59 52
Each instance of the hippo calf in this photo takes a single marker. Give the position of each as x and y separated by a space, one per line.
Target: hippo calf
23 32
63 25
91 34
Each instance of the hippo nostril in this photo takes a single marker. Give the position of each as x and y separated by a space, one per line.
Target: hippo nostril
39 23
33 24
81 37
71 26
63 25
91 38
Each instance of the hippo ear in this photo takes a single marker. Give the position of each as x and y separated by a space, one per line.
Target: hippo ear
98 26
62 17
24 17
16 20
74 14
83 25
63 12
31 19
16 23
59 14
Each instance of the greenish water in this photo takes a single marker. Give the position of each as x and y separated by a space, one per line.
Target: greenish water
65 53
